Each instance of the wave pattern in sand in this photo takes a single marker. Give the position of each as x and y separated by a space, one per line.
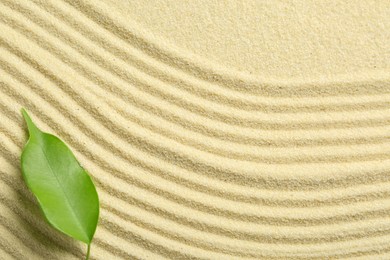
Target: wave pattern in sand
191 160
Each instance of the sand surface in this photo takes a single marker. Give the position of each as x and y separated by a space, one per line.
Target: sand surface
212 129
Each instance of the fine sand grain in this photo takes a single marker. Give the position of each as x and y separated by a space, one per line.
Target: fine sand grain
212 129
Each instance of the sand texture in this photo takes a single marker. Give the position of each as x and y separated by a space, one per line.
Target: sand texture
212 129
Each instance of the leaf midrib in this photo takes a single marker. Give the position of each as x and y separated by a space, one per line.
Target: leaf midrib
68 201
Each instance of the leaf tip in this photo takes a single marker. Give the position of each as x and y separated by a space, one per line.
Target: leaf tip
24 112
30 125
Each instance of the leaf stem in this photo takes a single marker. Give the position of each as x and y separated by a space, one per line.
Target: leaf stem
88 251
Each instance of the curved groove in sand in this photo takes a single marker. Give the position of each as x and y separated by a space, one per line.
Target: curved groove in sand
124 151
158 48
192 160
283 201
56 80
239 155
263 142
9 182
259 124
68 38
298 218
179 181
251 218
115 46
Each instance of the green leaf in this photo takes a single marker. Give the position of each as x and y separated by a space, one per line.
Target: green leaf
64 190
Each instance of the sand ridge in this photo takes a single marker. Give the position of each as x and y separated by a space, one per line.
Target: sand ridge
192 159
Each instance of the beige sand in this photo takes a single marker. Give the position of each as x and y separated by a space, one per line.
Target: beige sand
213 129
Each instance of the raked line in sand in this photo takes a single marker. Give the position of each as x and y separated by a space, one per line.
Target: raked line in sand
191 159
